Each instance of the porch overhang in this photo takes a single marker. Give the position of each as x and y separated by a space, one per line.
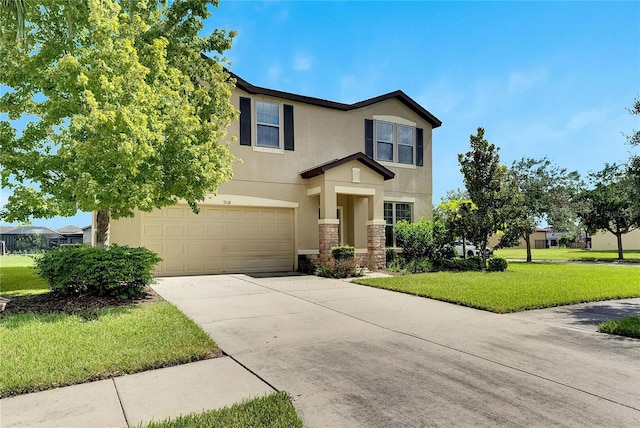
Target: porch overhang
360 157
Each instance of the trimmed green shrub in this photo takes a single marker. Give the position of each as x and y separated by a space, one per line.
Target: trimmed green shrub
422 240
338 269
115 271
391 255
419 266
459 265
343 252
497 264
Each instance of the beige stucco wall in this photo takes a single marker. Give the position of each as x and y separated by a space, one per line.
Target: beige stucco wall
608 241
322 135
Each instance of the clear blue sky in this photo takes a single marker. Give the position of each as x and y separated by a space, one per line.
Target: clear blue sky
543 78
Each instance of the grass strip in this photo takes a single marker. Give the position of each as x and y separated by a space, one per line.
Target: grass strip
523 286
42 351
18 278
569 254
629 326
275 410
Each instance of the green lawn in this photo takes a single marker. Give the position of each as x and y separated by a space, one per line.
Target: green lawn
630 256
51 350
42 351
18 278
629 327
273 410
523 286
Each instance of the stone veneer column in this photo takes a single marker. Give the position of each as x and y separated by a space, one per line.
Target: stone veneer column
328 237
375 246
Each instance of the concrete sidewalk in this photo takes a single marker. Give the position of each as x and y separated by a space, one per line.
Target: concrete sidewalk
138 398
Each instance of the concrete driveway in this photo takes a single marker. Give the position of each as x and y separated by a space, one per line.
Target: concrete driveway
354 356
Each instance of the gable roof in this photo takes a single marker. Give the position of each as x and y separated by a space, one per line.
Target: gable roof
34 230
399 95
69 230
361 157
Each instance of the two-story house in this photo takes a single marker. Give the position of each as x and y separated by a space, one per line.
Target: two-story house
314 174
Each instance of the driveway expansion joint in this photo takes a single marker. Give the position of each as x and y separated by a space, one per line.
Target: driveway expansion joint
124 413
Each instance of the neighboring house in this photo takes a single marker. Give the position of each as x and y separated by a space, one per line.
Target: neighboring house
87 235
537 239
3 245
28 239
72 235
314 174
608 241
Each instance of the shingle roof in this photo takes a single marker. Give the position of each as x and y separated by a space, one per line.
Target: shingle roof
401 96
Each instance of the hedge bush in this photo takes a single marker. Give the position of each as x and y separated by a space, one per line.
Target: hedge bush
459 265
115 271
343 252
497 264
343 266
422 240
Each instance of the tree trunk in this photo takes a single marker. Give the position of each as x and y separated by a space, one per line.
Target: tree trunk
483 254
619 236
527 239
103 218
464 246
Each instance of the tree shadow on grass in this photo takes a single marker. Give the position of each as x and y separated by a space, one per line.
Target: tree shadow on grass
594 313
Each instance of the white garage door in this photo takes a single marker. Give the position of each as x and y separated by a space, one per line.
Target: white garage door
220 239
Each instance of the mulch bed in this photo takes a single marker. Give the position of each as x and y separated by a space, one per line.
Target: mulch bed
47 303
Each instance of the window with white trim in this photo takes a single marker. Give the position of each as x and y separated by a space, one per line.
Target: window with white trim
268 124
393 213
395 142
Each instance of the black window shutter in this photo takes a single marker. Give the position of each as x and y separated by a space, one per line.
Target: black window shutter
368 137
245 121
419 147
288 127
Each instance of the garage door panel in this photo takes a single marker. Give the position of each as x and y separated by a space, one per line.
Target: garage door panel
151 230
215 230
285 232
174 231
220 239
175 212
195 266
195 249
214 213
174 248
195 231
251 215
233 215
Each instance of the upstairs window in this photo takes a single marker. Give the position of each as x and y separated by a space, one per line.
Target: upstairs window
384 141
405 144
394 142
268 124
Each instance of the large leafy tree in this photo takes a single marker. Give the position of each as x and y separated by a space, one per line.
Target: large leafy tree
548 196
489 187
611 204
121 110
